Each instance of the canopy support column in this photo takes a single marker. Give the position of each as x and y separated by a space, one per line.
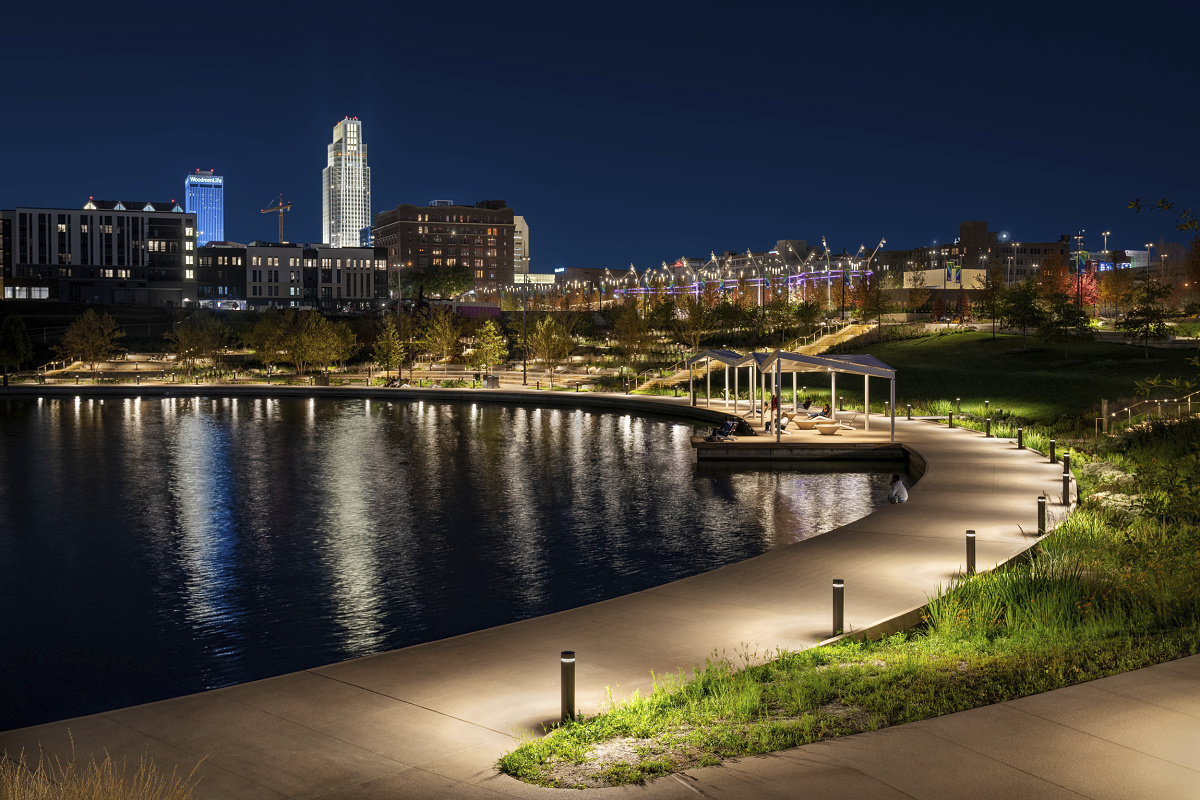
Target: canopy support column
726 387
795 398
691 384
833 394
867 403
708 383
893 408
779 405
735 390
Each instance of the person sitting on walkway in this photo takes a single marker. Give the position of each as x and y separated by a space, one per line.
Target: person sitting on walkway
898 493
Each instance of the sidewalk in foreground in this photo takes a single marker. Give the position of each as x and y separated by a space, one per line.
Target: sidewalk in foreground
430 720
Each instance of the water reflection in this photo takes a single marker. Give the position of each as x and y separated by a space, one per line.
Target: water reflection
156 548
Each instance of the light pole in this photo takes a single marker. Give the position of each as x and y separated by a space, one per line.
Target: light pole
1149 260
525 334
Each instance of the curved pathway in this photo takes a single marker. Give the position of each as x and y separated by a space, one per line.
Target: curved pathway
430 720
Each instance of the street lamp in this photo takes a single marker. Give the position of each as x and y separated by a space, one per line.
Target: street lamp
1148 259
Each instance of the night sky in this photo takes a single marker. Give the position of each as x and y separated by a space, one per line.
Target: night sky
623 132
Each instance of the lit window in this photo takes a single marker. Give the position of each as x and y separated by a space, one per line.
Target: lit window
188 275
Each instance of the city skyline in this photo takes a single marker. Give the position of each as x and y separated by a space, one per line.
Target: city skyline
710 127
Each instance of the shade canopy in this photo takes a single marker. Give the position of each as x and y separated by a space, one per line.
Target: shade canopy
729 358
854 365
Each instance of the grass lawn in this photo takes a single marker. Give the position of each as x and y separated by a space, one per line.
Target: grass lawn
1031 380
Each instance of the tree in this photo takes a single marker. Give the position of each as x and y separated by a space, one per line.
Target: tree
1116 289
342 343
808 313
939 305
918 292
551 342
305 340
1020 308
91 338
266 338
1063 319
990 293
388 351
1054 278
441 333
490 347
441 281
693 322
200 338
871 299
1184 220
963 307
632 334
15 347
1147 319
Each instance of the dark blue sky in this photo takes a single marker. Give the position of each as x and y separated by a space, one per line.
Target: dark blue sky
625 131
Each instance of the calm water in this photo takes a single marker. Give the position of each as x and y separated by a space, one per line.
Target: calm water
161 547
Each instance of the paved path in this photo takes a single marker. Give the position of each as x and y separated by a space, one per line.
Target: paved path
430 720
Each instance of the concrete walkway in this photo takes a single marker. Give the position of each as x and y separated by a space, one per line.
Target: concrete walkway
430 720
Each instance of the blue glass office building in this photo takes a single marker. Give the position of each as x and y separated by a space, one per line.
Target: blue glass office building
204 196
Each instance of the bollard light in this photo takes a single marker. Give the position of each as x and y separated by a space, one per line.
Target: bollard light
986 403
910 411
958 400
1020 438
1066 501
1053 457
987 427
1042 515
538 385
839 606
567 668
950 421
970 552
1067 461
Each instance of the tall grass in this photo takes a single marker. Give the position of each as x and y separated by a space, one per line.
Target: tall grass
56 779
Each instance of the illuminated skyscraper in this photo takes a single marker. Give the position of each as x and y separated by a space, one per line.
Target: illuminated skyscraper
204 196
346 186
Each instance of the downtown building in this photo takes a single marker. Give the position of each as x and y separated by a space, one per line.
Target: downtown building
108 252
204 196
442 234
975 251
346 188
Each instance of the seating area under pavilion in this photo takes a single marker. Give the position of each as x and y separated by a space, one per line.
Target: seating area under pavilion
771 367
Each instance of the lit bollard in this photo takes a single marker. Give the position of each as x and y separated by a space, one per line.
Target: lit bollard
950 422
1053 457
958 402
1020 438
567 663
987 427
537 385
986 403
1042 515
841 404
970 552
577 388
1067 461
910 411
839 606
1066 501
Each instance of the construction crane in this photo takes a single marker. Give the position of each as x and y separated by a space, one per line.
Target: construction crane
279 208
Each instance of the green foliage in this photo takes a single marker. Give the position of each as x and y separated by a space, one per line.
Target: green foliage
695 319
1147 319
490 347
91 338
15 347
1021 307
389 350
440 335
631 333
202 337
439 281
551 342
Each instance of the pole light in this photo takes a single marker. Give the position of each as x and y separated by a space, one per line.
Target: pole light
839 606
970 552
567 670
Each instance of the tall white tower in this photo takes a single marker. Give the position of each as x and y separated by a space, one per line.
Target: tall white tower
346 187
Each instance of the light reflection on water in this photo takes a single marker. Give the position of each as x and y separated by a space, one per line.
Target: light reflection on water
160 547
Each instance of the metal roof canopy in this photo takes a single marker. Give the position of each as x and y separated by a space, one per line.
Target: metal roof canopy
729 358
855 365
867 366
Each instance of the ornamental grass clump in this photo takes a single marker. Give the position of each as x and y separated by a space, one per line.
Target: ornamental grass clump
55 779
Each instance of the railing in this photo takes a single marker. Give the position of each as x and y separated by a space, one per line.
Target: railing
1151 409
